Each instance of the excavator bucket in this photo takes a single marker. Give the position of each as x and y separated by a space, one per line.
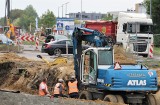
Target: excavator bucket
59 60
56 61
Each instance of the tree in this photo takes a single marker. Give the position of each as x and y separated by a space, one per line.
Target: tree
27 18
48 19
107 17
15 13
2 21
155 17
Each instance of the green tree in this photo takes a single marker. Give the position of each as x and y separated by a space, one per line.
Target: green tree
107 17
156 19
27 18
15 13
48 19
2 21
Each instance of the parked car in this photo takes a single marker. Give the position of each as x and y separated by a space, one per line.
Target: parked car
55 37
5 40
59 47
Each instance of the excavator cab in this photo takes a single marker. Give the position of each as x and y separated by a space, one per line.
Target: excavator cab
91 60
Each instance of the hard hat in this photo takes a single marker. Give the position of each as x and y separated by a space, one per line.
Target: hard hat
60 80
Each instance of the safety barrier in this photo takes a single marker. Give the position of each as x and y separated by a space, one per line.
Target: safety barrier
29 38
151 51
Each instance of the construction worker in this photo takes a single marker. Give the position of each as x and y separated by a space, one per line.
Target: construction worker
43 89
73 88
58 89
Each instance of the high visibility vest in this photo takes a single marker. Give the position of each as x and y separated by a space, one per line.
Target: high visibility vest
72 87
41 92
57 89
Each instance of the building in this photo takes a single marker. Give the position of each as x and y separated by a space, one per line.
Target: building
86 16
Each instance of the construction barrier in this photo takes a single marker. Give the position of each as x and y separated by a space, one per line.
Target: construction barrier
27 37
151 51
37 43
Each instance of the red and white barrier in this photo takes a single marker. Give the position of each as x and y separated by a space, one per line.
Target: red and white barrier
37 43
27 38
151 51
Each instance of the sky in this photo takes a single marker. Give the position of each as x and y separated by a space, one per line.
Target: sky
98 6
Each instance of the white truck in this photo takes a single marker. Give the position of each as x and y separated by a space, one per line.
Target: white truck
134 31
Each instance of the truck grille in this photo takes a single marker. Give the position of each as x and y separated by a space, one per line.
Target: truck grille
139 47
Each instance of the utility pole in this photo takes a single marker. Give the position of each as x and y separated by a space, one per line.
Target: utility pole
66 8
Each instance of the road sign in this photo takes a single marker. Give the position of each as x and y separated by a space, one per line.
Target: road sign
67 27
59 26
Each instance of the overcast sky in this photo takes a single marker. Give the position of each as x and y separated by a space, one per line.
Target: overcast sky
101 6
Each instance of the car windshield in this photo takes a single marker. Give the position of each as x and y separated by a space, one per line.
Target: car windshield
69 42
58 37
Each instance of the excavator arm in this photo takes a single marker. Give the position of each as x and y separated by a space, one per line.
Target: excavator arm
94 37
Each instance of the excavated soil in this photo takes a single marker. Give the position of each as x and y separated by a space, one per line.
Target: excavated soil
22 74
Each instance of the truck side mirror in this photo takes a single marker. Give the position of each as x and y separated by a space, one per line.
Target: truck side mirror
124 27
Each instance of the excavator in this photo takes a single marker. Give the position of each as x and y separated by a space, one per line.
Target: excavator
9 29
99 77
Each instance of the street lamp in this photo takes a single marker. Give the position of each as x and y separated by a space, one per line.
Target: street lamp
62 10
58 11
66 8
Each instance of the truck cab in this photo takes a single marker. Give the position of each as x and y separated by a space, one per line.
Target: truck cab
134 31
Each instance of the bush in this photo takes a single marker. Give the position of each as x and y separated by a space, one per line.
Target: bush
156 40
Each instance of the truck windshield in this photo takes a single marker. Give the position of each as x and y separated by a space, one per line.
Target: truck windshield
105 57
139 28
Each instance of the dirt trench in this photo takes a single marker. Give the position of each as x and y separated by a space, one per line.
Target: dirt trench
19 73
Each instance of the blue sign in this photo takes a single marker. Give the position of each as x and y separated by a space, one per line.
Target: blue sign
59 26
67 27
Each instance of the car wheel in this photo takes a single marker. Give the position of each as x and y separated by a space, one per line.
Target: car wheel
57 51
50 53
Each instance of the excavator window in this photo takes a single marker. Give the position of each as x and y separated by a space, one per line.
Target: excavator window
90 68
105 57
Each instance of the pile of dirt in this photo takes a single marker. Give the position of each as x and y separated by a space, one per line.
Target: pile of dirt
121 56
20 73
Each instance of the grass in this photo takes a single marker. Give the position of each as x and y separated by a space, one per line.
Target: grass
156 50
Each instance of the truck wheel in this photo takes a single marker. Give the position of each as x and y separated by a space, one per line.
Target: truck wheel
110 98
151 100
119 99
85 95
